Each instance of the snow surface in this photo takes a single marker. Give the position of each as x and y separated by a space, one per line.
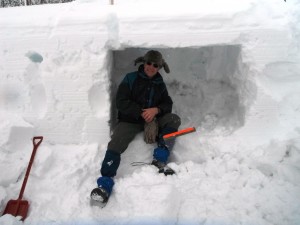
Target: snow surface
235 76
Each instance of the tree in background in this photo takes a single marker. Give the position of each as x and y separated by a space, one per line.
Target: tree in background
12 3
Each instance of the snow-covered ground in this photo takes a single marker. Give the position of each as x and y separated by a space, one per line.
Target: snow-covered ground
235 76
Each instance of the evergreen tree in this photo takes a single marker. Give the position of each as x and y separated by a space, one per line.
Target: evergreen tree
12 3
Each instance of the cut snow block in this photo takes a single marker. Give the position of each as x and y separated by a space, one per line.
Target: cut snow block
16 133
158 202
20 138
38 100
99 99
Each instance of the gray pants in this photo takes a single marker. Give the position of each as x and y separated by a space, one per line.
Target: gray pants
125 132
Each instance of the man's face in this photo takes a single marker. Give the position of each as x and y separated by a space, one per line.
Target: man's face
151 69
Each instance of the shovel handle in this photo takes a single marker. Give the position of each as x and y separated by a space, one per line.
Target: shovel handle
36 142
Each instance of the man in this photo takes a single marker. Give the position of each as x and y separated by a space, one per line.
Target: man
143 103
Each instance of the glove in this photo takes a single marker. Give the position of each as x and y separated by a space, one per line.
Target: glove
151 131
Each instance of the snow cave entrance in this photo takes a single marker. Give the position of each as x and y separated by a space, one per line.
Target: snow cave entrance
208 84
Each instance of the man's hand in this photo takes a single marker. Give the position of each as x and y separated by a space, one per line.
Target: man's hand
149 114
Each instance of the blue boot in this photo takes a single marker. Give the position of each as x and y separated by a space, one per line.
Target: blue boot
104 189
161 154
160 158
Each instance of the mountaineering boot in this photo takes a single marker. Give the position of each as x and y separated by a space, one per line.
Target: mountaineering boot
102 192
159 165
100 195
160 158
162 167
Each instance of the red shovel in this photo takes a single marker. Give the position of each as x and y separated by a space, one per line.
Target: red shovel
20 207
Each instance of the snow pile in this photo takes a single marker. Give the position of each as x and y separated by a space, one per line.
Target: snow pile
235 76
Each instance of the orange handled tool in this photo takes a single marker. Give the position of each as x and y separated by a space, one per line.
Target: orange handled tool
179 133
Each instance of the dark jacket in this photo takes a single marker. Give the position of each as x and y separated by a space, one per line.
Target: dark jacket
137 91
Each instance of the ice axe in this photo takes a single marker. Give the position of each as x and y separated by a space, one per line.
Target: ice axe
166 137
179 133
20 207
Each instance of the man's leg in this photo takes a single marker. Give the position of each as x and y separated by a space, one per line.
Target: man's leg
167 124
122 135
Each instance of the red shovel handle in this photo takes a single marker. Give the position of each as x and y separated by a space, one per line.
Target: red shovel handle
36 142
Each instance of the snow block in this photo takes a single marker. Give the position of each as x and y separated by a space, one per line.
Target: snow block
157 203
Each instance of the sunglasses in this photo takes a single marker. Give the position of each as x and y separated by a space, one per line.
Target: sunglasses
155 65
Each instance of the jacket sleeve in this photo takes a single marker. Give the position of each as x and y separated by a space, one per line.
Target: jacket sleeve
123 99
166 104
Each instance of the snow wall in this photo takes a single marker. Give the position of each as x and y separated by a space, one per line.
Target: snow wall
234 76
59 71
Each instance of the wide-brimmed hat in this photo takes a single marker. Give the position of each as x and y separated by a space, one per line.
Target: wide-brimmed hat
154 57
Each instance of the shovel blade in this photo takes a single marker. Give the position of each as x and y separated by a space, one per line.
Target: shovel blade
17 208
